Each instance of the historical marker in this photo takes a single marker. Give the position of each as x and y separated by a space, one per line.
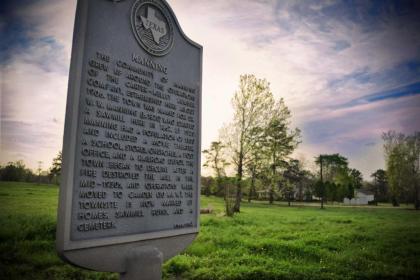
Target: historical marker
131 152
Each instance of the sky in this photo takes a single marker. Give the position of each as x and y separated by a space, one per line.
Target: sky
348 70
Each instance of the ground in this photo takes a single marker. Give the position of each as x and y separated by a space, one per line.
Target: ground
262 242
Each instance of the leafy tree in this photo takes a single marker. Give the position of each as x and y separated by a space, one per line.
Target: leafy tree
345 181
215 160
251 104
331 190
55 170
294 176
413 158
330 165
319 189
16 171
380 184
398 165
306 186
357 178
349 191
207 183
279 142
255 163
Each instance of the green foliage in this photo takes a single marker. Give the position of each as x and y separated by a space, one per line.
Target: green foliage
337 180
279 142
380 185
208 185
215 160
331 167
319 189
55 170
357 178
251 105
17 172
402 154
259 139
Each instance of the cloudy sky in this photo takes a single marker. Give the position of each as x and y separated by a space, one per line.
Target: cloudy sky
348 70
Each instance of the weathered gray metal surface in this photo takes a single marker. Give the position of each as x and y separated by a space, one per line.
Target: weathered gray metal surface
131 152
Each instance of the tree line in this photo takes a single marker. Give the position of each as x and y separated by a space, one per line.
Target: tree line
258 143
18 172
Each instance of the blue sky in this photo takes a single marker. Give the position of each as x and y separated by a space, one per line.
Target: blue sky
348 70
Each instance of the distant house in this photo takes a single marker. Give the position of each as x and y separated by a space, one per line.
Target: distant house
361 197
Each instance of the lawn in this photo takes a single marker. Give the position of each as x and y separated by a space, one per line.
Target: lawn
262 242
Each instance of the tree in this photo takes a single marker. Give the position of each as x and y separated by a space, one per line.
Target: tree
330 165
346 179
55 170
356 177
255 163
215 160
206 183
16 171
413 158
251 104
380 184
294 176
279 142
308 186
397 163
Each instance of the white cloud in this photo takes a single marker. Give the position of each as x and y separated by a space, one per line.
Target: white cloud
290 43
51 18
34 85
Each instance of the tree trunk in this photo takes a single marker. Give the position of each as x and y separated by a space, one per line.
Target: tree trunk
219 185
237 206
271 196
228 206
395 202
252 188
416 197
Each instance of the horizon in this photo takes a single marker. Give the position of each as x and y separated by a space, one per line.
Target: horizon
348 73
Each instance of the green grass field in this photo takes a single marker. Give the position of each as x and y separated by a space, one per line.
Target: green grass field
262 242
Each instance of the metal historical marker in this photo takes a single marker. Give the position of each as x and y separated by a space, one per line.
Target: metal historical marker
131 152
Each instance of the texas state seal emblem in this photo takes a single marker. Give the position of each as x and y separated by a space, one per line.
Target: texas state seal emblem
152 26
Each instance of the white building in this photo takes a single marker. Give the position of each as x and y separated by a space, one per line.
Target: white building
361 197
